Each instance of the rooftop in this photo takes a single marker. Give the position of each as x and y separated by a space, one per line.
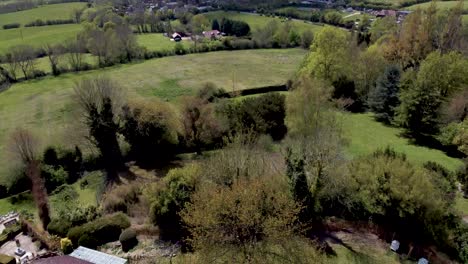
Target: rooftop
61 260
96 257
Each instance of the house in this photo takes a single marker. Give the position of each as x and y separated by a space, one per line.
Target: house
213 34
176 37
96 257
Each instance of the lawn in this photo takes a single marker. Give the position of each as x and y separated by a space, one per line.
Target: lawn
440 5
257 22
45 12
365 135
45 106
158 42
37 36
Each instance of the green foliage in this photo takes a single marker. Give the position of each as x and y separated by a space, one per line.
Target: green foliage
9 233
169 197
383 99
263 114
53 177
99 231
234 27
120 198
179 49
128 239
66 245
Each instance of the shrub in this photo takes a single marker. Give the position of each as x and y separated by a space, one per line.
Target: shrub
128 239
210 92
59 227
179 49
88 241
120 198
66 245
12 25
263 115
99 231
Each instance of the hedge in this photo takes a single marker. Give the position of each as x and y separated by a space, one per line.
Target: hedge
100 231
128 239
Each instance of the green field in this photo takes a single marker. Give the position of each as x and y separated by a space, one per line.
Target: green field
45 105
440 5
37 36
366 135
158 42
45 12
257 22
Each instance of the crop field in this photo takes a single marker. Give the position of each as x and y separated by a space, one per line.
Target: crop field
45 105
37 36
157 42
257 22
440 5
45 12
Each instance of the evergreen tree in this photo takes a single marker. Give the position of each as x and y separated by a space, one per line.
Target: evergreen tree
383 99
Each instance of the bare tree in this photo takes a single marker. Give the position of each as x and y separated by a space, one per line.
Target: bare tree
25 57
25 147
99 99
11 65
75 52
53 54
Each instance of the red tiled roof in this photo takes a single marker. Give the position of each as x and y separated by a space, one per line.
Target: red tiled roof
61 260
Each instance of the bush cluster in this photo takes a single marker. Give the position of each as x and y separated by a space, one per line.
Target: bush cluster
99 231
128 239
12 25
120 198
40 22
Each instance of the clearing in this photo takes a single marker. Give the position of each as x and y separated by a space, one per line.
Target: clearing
45 105
45 12
158 42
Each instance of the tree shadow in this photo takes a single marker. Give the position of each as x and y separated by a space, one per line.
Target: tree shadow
430 142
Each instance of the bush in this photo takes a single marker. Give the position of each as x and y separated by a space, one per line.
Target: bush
9 233
179 49
66 245
100 231
210 92
263 115
59 227
120 198
12 25
128 239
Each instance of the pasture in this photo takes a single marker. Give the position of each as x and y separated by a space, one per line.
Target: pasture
440 5
257 22
158 42
44 12
37 36
45 105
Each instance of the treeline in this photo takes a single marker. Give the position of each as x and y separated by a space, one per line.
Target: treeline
40 23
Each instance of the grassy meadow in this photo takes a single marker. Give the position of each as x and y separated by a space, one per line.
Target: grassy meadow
257 22
45 105
45 12
37 36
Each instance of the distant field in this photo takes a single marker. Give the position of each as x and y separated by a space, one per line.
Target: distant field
366 135
257 22
37 36
45 105
45 12
156 42
440 4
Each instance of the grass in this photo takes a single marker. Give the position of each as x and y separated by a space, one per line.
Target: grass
440 5
365 135
37 36
87 196
257 22
158 42
45 12
461 204
45 105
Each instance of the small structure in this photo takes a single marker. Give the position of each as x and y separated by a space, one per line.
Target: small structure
96 257
176 37
212 34
60 260
395 245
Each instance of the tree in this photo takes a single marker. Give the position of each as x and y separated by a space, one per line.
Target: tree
25 147
12 67
53 54
201 128
25 57
383 28
383 99
306 39
440 76
151 128
99 99
75 52
329 54
215 25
